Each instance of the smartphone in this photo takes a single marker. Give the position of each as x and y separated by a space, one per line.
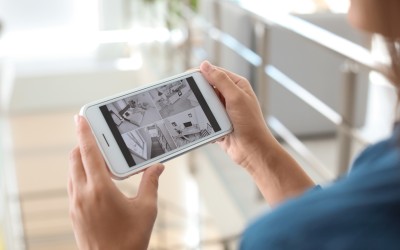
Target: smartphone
157 122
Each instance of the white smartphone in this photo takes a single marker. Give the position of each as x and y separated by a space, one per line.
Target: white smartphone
155 123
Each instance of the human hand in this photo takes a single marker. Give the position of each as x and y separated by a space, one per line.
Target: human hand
103 217
251 144
251 135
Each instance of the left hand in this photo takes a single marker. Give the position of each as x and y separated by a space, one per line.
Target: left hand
103 217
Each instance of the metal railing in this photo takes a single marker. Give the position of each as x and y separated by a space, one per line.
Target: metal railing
355 57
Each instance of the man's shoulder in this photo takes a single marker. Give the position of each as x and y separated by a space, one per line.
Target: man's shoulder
350 214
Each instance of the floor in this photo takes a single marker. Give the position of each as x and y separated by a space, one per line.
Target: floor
149 116
181 105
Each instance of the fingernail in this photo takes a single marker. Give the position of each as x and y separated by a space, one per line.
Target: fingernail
207 67
76 119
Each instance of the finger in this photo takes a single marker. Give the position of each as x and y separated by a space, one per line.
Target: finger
92 158
76 170
234 77
220 80
220 96
240 81
149 184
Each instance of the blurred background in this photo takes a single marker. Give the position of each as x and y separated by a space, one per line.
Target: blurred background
312 72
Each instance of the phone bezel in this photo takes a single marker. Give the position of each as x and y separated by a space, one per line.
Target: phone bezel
113 156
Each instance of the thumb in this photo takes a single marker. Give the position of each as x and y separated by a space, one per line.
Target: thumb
220 79
149 184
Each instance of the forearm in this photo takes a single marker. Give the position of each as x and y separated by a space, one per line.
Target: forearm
277 175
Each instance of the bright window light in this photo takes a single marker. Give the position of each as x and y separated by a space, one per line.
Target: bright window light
298 6
135 62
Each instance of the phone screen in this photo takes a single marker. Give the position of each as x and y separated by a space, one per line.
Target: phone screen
159 120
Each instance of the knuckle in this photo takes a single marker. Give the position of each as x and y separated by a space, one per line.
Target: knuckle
220 75
74 154
75 207
86 148
97 196
96 193
154 182
237 96
72 214
245 83
78 201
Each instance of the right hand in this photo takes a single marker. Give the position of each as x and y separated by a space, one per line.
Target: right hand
250 136
251 144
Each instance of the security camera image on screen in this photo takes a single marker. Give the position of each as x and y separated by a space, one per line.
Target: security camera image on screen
160 120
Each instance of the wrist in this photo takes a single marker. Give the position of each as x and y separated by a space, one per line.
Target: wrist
258 157
277 175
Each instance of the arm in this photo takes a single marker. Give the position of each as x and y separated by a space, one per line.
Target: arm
103 217
251 145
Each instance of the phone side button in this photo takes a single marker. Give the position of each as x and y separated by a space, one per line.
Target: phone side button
106 140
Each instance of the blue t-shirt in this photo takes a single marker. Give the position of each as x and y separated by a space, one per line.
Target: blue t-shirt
360 211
